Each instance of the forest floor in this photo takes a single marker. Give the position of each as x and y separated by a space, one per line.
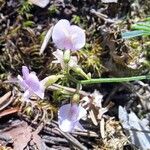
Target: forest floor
23 27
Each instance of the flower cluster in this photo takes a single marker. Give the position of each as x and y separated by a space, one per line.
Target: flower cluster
66 37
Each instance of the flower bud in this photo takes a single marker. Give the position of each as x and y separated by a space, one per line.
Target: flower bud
75 98
66 56
79 71
51 80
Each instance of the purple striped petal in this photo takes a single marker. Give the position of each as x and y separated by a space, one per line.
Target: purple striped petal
66 36
33 82
60 34
69 116
22 83
77 37
25 72
30 84
35 85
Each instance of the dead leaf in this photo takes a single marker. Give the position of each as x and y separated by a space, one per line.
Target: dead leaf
38 141
5 100
20 134
46 40
40 3
93 117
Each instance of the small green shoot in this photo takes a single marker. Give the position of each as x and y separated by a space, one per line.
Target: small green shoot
140 29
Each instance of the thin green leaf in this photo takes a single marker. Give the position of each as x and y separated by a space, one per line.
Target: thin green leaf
131 34
141 26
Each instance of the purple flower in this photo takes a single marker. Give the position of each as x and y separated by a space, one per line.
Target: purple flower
69 116
67 36
30 84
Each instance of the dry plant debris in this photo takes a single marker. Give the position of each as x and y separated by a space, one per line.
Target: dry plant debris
25 30
21 135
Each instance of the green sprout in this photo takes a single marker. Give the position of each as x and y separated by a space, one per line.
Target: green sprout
140 29
76 19
25 8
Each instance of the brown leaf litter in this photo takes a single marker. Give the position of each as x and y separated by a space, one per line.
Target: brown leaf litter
20 135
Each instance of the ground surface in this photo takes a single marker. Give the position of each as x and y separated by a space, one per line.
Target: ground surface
34 125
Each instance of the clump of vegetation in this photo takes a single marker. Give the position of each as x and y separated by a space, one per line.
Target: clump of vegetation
82 50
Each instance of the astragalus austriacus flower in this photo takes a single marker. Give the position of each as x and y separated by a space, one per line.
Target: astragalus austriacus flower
66 36
69 116
30 83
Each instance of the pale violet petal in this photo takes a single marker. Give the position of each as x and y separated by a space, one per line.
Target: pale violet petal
69 116
69 111
35 85
65 121
30 84
77 37
66 36
64 111
27 94
40 91
73 112
60 34
33 82
65 43
66 125
22 83
25 72
40 94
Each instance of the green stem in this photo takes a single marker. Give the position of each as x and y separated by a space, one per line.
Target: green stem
78 87
110 80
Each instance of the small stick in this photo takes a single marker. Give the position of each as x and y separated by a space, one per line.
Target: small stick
6 100
72 140
102 16
102 128
9 111
5 97
72 90
86 133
